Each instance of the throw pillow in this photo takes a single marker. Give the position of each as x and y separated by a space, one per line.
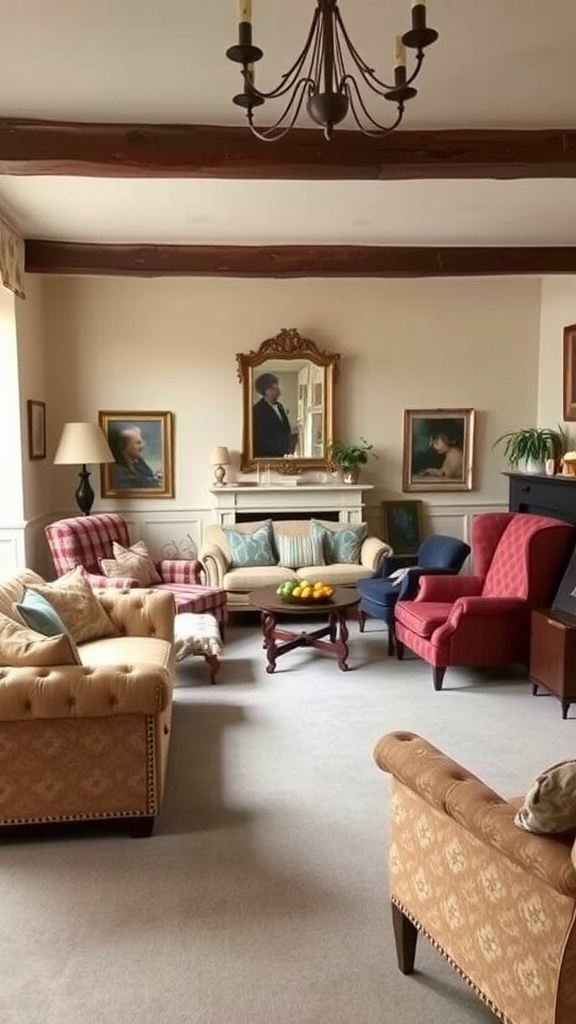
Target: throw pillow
21 647
134 562
340 545
298 551
550 804
77 605
248 549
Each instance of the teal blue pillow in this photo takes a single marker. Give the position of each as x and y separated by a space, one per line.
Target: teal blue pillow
247 549
340 545
40 615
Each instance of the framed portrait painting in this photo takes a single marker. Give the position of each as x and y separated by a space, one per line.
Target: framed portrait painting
141 443
438 450
36 412
570 373
402 527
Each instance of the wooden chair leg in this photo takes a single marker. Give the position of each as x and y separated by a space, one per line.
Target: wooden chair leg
214 664
391 644
405 937
361 619
438 676
399 649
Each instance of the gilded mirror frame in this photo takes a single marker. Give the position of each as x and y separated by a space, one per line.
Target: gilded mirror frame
313 374
569 381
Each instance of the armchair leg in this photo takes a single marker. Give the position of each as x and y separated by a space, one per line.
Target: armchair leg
438 677
399 649
361 619
391 644
405 937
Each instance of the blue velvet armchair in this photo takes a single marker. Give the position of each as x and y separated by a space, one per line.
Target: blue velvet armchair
396 578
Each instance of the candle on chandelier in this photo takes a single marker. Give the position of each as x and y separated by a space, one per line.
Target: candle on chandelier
399 53
244 10
418 14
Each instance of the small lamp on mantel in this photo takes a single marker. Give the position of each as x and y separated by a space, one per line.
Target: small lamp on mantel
220 458
83 443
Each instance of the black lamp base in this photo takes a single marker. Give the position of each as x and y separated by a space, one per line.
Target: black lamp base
84 494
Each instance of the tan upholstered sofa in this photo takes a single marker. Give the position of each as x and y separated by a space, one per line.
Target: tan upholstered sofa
238 582
497 902
87 741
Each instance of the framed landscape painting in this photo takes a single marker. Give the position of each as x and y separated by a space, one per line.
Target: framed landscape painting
438 450
141 443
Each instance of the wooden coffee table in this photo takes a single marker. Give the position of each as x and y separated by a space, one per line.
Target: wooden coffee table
332 638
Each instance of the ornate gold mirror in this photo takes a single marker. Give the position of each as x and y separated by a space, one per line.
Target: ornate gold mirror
287 404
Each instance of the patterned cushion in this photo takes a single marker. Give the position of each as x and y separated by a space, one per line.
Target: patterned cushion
248 549
133 562
21 647
78 607
341 546
550 804
39 615
296 550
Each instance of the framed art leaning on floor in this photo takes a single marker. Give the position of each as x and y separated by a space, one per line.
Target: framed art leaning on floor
141 443
438 450
402 526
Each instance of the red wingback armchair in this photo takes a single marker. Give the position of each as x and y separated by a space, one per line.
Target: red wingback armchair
484 618
84 540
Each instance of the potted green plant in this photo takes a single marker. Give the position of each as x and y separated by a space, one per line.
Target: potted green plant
347 458
529 448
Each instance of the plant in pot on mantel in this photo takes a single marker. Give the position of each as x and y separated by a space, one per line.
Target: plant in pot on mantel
528 450
347 458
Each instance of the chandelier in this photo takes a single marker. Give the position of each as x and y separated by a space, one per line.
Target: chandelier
322 74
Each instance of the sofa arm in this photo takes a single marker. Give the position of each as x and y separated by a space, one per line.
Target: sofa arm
215 563
373 550
141 612
80 691
456 792
180 570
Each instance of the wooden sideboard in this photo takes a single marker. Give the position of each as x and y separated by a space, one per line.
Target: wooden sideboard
543 495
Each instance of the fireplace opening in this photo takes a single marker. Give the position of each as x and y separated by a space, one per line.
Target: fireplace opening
329 515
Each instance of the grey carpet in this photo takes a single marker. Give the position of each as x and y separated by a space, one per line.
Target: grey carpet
261 898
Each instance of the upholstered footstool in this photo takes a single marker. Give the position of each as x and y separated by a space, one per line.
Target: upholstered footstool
198 634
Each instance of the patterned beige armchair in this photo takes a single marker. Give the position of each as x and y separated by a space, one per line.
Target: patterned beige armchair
498 903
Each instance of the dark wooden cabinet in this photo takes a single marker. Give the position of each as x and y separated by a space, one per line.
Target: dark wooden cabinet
543 495
553 656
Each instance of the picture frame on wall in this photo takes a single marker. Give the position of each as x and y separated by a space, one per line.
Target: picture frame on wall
569 379
142 446
36 415
438 450
402 525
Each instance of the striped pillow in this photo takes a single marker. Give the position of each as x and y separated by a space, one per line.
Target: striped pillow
297 551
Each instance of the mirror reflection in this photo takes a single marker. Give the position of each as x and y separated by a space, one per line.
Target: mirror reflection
288 402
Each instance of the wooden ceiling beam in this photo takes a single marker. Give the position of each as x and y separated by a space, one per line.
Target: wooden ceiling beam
30 147
44 257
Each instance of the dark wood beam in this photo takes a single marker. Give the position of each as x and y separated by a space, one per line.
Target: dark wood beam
30 147
294 260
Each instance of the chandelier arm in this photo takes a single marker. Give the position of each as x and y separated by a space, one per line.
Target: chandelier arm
354 96
274 131
289 78
359 61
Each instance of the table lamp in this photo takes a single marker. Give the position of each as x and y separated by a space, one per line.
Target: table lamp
220 458
82 443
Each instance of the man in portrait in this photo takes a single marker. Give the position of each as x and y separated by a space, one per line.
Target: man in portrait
272 435
129 469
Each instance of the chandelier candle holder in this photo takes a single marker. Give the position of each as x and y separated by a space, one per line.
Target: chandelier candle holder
220 458
329 74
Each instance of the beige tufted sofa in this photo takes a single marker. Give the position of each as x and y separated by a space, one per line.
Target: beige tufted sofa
90 741
497 902
238 582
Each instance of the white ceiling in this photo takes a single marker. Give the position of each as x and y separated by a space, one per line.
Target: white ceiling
496 65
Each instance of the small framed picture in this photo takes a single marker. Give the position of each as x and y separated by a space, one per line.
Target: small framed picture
141 443
36 429
402 527
438 449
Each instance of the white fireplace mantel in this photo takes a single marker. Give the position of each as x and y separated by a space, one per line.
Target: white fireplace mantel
261 500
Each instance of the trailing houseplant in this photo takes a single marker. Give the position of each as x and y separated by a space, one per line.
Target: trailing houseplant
349 457
532 446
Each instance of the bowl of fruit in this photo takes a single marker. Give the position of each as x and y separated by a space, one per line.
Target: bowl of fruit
303 592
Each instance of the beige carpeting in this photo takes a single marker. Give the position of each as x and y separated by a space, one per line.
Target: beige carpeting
261 898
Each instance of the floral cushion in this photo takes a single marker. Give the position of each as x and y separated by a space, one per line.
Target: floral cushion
77 605
134 562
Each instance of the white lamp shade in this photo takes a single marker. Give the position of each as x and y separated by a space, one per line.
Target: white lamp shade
82 443
220 456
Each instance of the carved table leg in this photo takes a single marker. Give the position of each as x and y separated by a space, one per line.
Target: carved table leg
338 618
269 627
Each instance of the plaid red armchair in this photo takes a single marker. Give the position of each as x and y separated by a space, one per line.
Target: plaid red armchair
84 540
484 618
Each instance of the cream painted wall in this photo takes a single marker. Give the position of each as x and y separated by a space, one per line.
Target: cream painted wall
558 311
170 344
32 355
